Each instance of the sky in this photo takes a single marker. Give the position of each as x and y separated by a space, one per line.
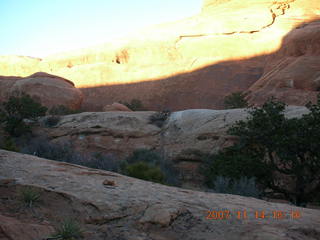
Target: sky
38 28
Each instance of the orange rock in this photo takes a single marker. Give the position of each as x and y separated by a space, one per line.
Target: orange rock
49 89
191 63
116 107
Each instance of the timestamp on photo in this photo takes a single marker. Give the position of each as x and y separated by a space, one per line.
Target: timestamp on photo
258 214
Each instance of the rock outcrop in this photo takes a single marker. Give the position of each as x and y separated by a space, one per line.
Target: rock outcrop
195 62
292 73
136 209
185 137
50 90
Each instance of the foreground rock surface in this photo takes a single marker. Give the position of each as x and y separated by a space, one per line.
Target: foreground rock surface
184 139
135 209
50 90
269 47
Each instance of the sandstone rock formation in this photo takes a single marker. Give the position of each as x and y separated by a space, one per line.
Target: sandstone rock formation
13 228
50 90
116 107
136 209
292 73
195 62
185 138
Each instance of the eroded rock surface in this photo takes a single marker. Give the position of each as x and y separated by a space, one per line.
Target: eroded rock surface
50 90
196 62
184 139
136 209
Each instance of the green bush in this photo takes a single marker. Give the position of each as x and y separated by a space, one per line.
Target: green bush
18 108
9 144
145 171
62 110
149 165
236 100
272 148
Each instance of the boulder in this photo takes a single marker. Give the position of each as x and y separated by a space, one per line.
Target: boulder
50 90
13 228
116 107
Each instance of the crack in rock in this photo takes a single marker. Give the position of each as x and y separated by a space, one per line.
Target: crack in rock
280 6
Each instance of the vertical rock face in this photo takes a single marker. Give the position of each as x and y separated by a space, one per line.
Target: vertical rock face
195 62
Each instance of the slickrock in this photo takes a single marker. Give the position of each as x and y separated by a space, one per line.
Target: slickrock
136 209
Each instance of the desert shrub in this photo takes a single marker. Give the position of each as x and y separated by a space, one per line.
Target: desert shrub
159 118
29 196
18 108
272 148
149 165
103 161
69 229
51 121
43 148
144 155
63 110
8 143
145 171
134 105
244 186
236 100
64 152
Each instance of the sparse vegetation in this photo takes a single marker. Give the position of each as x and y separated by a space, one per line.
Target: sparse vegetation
134 105
148 165
145 171
68 230
29 196
64 152
51 121
159 118
244 186
8 143
16 110
236 100
272 148
63 110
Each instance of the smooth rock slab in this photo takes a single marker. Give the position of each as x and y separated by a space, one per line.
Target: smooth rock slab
136 209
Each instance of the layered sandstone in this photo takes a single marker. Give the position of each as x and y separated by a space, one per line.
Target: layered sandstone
195 62
132 209
185 138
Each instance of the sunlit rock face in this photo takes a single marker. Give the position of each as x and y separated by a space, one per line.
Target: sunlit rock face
293 73
50 90
195 62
